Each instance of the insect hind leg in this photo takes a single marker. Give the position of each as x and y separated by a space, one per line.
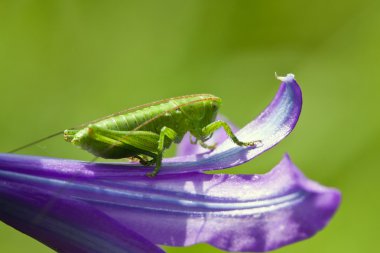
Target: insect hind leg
166 134
212 127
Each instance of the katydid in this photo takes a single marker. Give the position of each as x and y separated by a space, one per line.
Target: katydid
144 132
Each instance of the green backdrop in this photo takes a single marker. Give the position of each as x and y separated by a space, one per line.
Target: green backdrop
67 62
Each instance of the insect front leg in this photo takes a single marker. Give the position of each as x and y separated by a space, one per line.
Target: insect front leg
212 127
166 134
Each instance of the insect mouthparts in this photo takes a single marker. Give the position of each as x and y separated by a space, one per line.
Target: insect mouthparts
68 135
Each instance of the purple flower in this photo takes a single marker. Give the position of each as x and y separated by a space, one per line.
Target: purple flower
74 206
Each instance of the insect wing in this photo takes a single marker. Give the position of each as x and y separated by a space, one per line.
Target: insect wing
135 108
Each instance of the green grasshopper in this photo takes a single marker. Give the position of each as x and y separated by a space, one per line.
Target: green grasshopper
144 132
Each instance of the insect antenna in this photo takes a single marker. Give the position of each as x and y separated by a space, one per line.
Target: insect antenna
35 142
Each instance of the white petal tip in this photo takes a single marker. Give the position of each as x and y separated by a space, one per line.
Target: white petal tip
288 78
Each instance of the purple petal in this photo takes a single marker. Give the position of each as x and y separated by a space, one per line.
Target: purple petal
272 125
65 225
231 212
219 136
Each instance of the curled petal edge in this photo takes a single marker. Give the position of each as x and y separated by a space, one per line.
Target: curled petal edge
275 123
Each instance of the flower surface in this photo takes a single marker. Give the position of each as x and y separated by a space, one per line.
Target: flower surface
75 206
231 212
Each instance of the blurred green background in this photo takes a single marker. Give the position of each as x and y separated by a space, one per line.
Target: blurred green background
67 62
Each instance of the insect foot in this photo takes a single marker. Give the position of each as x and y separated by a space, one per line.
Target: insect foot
212 147
151 174
255 144
206 146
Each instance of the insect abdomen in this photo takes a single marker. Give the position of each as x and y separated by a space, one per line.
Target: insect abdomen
131 121
178 114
